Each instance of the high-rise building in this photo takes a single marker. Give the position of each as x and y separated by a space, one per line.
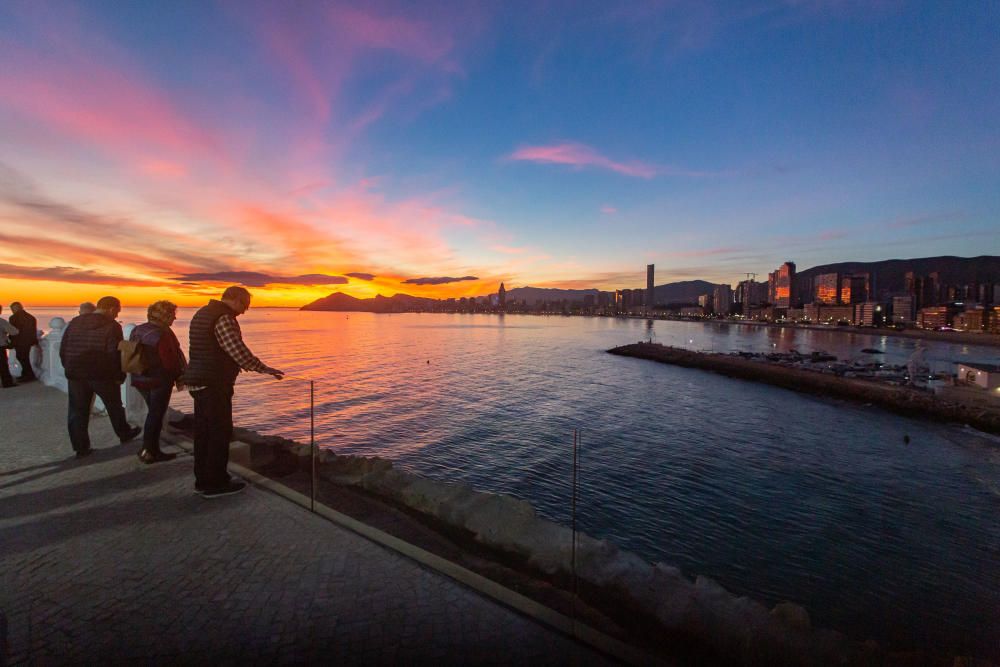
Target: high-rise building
903 310
502 297
722 299
826 288
855 288
649 288
783 279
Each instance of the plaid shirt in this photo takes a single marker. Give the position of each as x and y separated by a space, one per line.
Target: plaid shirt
230 338
228 333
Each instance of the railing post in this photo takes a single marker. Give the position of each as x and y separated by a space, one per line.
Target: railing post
576 440
312 444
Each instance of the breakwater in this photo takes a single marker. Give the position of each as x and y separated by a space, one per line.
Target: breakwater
698 615
903 400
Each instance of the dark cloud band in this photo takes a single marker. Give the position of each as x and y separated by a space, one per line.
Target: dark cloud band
437 281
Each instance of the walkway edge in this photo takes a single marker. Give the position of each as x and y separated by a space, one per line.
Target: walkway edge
491 589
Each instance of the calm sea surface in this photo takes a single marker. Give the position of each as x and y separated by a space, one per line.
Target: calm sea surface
776 495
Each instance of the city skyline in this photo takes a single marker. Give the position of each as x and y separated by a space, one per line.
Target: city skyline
158 151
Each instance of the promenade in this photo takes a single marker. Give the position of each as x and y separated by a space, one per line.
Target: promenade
107 560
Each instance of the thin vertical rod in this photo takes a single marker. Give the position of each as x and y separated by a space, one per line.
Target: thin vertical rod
576 439
312 444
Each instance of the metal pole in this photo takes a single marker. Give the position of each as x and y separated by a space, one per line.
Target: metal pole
312 444
576 438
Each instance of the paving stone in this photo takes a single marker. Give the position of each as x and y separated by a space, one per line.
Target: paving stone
105 559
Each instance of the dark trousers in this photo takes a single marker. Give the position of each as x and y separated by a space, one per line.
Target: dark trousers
81 394
157 400
24 358
213 429
6 379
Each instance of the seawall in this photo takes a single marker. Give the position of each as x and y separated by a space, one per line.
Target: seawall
902 400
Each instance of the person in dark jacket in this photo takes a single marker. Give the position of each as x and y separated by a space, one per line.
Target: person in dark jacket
7 333
217 355
90 356
166 362
26 338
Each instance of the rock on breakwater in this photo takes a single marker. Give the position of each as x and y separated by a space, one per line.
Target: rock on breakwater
903 400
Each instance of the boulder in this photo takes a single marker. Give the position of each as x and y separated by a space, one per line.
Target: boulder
792 615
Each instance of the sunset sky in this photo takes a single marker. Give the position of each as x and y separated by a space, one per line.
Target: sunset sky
165 150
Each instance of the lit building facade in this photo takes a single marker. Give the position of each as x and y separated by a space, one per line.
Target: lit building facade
784 279
826 288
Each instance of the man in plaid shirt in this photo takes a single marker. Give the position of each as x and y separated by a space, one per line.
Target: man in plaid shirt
217 355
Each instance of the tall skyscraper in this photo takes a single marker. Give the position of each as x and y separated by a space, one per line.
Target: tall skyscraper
649 288
502 297
783 280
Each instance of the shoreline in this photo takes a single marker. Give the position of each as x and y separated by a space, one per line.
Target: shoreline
654 606
901 400
957 337
982 339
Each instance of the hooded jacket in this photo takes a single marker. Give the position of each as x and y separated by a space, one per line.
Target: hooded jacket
89 349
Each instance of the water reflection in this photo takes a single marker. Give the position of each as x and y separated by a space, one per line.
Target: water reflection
774 494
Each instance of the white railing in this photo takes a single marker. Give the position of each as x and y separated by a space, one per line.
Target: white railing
49 369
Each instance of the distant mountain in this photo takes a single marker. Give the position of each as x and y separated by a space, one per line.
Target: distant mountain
686 291
397 303
888 275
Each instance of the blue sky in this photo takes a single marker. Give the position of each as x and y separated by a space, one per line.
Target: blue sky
560 143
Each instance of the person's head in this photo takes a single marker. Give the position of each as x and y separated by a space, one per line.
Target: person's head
86 308
161 313
237 298
1 309
16 307
110 306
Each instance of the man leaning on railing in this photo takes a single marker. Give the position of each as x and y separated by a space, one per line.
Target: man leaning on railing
217 355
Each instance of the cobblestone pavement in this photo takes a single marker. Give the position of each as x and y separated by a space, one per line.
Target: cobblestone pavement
107 560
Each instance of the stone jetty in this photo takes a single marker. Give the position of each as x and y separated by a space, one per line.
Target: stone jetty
908 401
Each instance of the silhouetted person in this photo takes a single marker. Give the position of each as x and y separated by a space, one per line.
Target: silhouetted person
165 363
86 308
26 338
217 354
7 333
90 355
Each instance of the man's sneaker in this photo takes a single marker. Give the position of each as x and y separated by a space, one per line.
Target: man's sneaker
84 452
131 435
227 490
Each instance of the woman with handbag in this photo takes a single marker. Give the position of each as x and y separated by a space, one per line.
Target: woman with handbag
164 363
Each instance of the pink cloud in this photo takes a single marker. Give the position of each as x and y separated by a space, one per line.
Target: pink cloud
580 155
609 210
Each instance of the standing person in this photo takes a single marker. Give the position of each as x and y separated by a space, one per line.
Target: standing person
26 338
7 333
166 362
89 353
217 354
